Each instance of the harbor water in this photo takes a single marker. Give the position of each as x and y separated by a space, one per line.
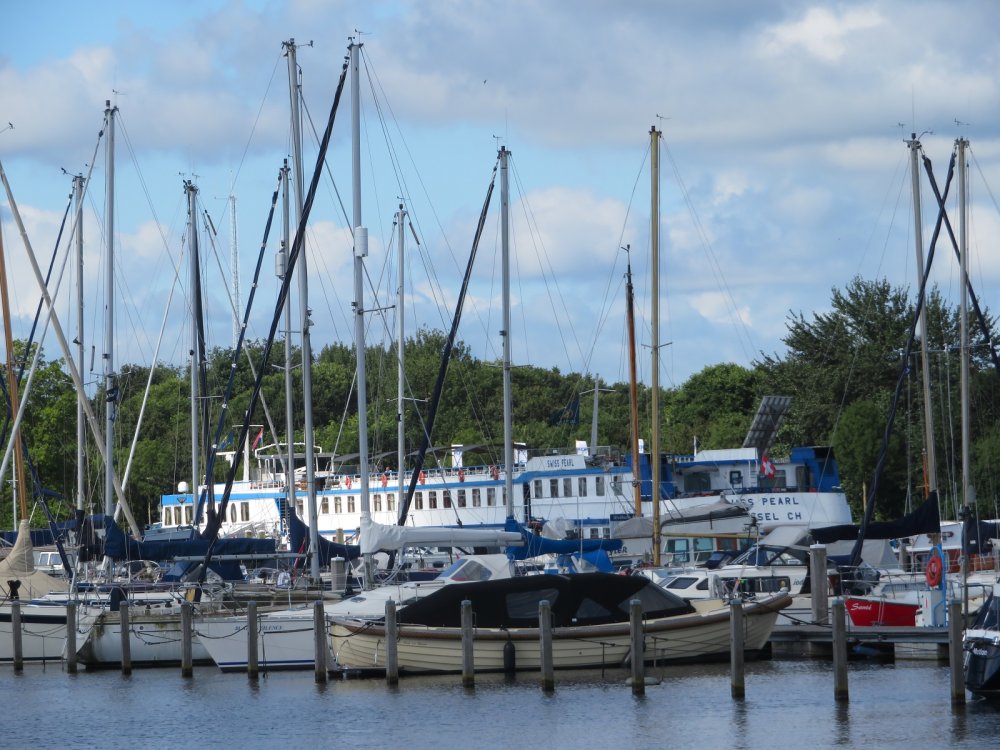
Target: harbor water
788 704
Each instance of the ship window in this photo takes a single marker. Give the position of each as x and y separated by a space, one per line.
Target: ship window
599 486
298 508
391 503
582 484
432 499
567 487
188 514
418 502
595 533
524 605
553 488
446 498
591 610
491 496
476 501
232 513
736 478
461 498
338 505
350 504
698 481
324 505
538 488
244 511
378 501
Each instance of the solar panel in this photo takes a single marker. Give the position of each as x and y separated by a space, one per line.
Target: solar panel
770 414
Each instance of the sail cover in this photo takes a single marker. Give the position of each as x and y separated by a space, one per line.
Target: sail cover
378 536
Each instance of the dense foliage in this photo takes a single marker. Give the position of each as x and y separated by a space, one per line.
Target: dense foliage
841 367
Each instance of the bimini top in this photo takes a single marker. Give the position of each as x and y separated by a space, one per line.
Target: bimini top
576 600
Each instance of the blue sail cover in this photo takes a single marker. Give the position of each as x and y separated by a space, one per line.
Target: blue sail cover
535 545
298 537
118 546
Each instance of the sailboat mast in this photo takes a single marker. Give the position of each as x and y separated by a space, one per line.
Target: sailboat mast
930 452
508 431
110 390
21 487
654 453
192 193
400 355
307 421
234 268
963 248
360 253
286 237
633 396
81 430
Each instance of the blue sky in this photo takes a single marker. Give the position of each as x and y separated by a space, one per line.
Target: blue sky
784 167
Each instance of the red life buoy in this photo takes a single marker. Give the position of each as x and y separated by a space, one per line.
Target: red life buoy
347 482
461 475
423 477
933 569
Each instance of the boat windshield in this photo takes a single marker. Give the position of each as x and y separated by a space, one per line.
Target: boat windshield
466 570
769 555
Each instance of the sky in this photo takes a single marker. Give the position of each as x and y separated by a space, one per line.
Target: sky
784 163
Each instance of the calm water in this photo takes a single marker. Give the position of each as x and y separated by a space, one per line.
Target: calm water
789 704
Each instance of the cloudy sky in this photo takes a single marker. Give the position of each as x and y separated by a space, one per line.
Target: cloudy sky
784 166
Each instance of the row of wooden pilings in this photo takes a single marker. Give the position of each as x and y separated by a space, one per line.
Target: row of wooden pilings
837 619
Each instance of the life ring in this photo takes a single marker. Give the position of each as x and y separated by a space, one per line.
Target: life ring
461 475
423 477
933 569
347 482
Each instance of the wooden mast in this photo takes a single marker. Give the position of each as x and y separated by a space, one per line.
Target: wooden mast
22 500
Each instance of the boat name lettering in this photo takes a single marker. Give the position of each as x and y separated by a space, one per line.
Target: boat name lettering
558 463
766 516
271 628
777 500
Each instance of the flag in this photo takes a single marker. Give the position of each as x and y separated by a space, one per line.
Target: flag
767 467
256 440
227 441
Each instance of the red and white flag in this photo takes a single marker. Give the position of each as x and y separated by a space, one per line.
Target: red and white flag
256 440
767 467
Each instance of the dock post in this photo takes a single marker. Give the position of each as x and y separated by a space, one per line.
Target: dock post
391 644
545 645
253 664
637 650
468 654
187 656
125 627
320 640
820 584
839 616
16 634
71 638
955 653
736 654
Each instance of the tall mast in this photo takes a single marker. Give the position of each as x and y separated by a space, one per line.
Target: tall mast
234 268
192 193
400 356
654 453
21 504
963 248
360 253
930 452
307 422
633 397
81 430
508 431
282 268
110 389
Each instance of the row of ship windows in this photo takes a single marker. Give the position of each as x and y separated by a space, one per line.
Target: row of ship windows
178 515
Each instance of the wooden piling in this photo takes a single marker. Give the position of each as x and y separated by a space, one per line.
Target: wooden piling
391 645
736 655
819 583
955 659
320 636
839 622
468 652
16 635
637 650
187 656
545 645
253 664
123 621
70 654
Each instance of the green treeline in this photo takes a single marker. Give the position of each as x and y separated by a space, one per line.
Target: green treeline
841 367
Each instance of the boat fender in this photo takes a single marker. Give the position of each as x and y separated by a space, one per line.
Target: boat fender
509 657
347 482
933 569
